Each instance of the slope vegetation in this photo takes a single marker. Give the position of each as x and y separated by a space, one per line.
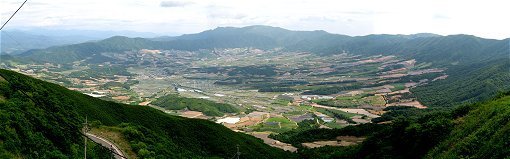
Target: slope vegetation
467 84
470 131
37 115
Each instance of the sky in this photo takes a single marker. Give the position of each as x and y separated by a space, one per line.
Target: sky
483 18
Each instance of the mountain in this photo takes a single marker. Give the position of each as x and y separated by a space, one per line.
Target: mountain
436 49
96 34
43 120
76 52
19 41
421 35
14 42
272 36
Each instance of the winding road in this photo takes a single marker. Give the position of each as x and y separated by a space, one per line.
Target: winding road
106 143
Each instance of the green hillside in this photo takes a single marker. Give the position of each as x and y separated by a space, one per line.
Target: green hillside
467 84
482 133
76 52
37 115
470 131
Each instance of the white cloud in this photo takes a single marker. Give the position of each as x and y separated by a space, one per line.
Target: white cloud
174 3
482 18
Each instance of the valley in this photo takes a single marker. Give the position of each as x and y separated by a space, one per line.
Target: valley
271 91
254 79
293 94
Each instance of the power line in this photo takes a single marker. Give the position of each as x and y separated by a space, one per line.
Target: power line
13 39
237 154
13 14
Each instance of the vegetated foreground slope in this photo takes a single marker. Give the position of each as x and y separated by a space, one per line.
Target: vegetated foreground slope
37 115
467 84
482 133
470 131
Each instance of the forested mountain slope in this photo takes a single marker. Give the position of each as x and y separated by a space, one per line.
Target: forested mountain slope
76 52
37 115
471 131
482 133
439 50
467 84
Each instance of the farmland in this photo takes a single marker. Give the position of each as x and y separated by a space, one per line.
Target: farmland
266 91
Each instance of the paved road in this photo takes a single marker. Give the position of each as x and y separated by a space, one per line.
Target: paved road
106 143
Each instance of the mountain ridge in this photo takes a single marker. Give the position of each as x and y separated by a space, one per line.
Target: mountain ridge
440 50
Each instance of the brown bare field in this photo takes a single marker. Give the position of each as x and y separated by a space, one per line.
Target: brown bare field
411 104
273 142
121 98
191 114
340 141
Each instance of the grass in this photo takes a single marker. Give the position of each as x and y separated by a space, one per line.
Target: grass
348 115
281 102
342 102
279 119
398 87
304 107
295 113
337 114
375 100
114 135
334 125
283 126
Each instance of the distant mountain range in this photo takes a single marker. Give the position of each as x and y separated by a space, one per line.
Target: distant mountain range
18 41
440 50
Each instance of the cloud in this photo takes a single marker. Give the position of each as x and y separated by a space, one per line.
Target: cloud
441 16
340 16
224 15
170 4
319 19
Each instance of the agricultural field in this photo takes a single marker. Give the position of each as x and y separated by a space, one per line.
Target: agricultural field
275 124
250 90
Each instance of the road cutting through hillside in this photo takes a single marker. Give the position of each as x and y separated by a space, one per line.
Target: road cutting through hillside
108 144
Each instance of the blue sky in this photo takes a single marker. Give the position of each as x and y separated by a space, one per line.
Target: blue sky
488 18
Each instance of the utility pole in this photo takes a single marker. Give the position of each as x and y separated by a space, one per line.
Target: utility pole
113 150
85 129
238 153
